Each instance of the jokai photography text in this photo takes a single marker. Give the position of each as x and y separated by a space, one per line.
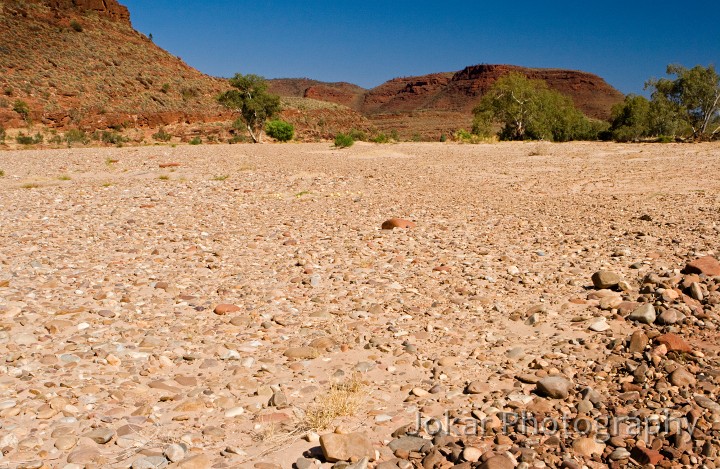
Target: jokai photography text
601 427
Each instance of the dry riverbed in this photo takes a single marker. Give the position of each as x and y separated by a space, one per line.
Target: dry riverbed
230 305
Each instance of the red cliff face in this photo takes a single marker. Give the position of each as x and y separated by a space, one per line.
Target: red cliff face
461 91
109 8
590 93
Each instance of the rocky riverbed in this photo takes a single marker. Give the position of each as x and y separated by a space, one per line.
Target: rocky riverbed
534 305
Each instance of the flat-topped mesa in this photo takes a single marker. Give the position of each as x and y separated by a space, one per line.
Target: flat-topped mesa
590 93
109 8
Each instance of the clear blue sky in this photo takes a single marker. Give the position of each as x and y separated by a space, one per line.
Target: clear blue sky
369 42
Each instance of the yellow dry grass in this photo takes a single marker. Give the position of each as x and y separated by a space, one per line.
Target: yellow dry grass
343 399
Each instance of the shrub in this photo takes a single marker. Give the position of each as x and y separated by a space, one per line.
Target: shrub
280 130
77 27
463 135
2 134
358 135
113 138
443 138
343 140
2 173
195 141
380 138
76 136
416 137
23 139
188 93
237 139
22 108
161 135
165 87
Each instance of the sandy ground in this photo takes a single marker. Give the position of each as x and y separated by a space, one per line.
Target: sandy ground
111 268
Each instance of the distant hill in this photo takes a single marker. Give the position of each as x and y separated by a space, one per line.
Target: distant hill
79 63
442 102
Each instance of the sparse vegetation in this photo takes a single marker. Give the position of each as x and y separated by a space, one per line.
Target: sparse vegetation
195 141
76 136
30 185
163 177
220 177
22 108
161 135
188 93
380 138
2 134
280 130
343 140
64 177
2 173
463 136
23 139
77 27
341 400
111 137
251 100
358 135
165 88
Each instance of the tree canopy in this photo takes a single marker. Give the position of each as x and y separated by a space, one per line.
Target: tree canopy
251 100
528 109
693 97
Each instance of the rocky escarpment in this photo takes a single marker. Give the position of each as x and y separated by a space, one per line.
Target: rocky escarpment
79 64
107 8
462 90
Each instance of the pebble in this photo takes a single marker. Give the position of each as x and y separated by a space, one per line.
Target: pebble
604 279
644 314
555 387
600 325
397 223
338 447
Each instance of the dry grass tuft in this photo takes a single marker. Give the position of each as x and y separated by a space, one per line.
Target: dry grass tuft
342 400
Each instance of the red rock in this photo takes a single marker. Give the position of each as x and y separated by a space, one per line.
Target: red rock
646 455
226 308
627 307
109 8
674 343
169 165
397 223
442 268
707 265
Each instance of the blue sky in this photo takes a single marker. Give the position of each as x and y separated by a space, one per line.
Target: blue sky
369 42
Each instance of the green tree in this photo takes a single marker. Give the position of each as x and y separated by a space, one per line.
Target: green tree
694 95
252 101
631 119
527 109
